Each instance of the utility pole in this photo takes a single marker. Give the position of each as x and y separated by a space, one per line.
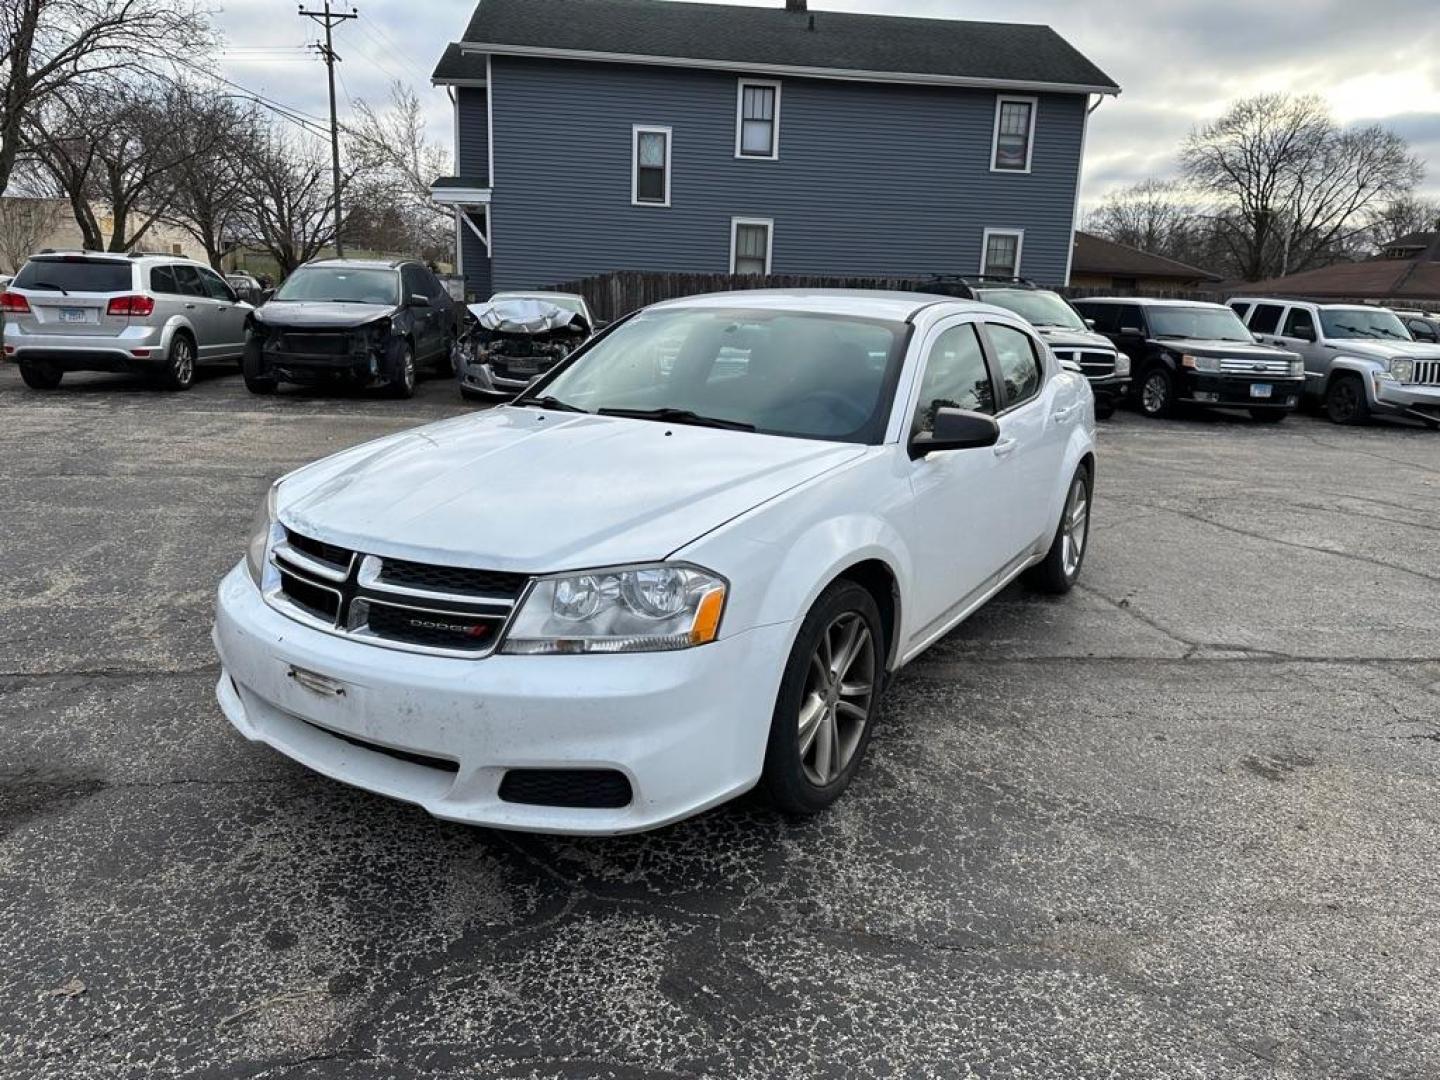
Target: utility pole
330 19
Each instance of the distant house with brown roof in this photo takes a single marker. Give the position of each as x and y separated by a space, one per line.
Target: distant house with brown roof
1104 264
1407 273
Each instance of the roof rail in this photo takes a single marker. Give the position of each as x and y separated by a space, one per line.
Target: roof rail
982 279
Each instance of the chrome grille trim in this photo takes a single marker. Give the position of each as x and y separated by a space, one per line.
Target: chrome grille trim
359 588
1231 365
1427 373
1093 362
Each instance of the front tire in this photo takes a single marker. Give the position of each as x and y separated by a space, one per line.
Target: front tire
402 376
1061 569
1157 393
179 371
1345 401
827 702
40 376
252 369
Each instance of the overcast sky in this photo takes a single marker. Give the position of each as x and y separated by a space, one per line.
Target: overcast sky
1179 61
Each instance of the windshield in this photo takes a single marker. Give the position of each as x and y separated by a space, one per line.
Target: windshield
74 274
1035 306
569 303
1342 323
778 372
1200 323
342 283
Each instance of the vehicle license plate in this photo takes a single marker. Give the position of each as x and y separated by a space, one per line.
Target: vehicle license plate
1261 390
72 314
523 369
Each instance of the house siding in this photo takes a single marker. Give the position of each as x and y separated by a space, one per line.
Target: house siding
472 154
872 179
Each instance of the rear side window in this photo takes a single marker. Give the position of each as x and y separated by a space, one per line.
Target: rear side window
1018 360
1132 319
162 280
74 275
187 281
1265 319
955 378
1106 316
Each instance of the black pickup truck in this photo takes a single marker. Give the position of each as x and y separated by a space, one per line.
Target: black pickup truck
1191 353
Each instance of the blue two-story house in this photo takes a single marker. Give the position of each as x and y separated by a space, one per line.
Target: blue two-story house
599 135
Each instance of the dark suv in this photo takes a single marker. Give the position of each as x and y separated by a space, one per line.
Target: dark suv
364 322
1188 352
1106 367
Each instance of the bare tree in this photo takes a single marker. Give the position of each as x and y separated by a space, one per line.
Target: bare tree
1402 218
1154 215
207 190
391 150
1293 186
289 201
48 47
117 151
24 224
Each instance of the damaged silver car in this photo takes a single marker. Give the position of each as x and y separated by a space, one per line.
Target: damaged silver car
511 340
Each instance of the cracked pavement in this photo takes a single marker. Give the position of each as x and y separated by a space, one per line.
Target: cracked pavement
1181 823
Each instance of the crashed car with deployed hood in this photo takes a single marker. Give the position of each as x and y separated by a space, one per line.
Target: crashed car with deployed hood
513 340
356 321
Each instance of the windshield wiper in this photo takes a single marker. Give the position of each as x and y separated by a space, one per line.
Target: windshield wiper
47 285
678 416
554 404
1360 331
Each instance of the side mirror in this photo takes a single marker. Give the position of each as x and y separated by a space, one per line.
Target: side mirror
956 429
1070 365
266 295
419 300
1132 331
1257 338
1090 323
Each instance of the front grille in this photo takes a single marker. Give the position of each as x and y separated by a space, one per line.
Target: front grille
452 579
318 344
576 789
1427 372
1236 366
399 755
454 611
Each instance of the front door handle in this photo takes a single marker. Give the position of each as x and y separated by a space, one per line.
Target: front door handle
1064 416
1005 447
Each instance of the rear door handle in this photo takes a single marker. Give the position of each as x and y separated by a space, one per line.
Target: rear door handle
1005 447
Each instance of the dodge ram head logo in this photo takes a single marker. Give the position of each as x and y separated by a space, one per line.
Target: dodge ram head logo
470 630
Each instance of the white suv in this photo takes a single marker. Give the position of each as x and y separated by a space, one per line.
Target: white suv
157 315
684 563
1359 360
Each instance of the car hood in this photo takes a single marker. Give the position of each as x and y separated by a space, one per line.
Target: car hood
1241 349
304 313
1387 350
1057 337
536 492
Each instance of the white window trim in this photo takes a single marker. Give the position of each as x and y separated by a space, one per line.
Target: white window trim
1019 235
1000 102
774 154
769 223
635 133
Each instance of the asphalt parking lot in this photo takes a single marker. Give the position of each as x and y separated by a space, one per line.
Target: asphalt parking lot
1182 823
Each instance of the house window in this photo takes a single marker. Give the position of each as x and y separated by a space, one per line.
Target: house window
650 179
1002 250
750 245
1014 134
757 122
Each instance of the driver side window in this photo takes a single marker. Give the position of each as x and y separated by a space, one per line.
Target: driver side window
955 378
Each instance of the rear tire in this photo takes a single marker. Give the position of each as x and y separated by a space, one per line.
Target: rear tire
1268 416
1061 569
252 368
1345 401
1157 393
40 376
179 370
828 698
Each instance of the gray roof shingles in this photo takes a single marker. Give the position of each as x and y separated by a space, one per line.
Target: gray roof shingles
728 34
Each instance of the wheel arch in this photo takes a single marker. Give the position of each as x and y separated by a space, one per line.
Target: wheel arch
877 577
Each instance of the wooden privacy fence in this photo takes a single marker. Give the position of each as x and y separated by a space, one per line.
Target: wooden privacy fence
623 291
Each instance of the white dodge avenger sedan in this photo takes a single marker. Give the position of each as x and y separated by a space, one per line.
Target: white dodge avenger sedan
682 564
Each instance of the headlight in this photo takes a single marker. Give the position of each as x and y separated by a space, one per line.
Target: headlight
1122 364
259 540
1201 363
1402 370
625 610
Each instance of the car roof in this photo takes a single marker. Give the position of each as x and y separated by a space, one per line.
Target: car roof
1146 301
1280 301
362 264
129 258
862 303
539 294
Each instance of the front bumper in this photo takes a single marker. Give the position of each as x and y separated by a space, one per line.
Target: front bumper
687 729
1236 392
481 378
1413 400
89 352
1110 385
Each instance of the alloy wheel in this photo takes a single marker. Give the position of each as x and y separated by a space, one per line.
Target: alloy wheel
1155 392
1344 401
835 706
1075 527
183 361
